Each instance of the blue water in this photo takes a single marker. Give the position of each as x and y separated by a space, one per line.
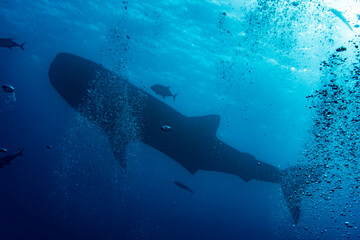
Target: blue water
254 63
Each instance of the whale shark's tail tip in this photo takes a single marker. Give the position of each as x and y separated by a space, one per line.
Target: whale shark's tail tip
294 184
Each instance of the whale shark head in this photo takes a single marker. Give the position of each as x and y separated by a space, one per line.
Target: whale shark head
100 96
71 76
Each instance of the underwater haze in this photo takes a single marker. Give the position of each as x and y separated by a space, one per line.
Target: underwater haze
284 77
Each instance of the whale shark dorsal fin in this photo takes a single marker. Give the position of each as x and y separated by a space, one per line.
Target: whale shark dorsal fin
208 123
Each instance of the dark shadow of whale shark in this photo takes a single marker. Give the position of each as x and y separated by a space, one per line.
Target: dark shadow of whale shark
191 142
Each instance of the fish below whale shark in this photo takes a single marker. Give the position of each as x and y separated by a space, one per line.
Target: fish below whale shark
192 141
183 186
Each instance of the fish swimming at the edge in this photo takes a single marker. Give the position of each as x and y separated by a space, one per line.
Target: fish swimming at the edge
341 16
3 150
9 43
192 141
6 160
8 89
183 186
163 91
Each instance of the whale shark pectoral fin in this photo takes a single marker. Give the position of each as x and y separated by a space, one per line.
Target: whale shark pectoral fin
208 123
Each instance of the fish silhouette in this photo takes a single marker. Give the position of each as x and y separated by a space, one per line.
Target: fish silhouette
163 91
9 43
183 186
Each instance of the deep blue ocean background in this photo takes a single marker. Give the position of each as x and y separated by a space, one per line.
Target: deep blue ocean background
256 63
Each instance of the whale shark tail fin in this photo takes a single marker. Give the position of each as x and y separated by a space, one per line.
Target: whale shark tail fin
294 184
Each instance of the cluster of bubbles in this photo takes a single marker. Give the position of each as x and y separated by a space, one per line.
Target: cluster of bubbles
118 44
107 116
335 147
287 32
111 104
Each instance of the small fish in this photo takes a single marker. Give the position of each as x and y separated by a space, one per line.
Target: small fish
49 147
9 43
166 128
341 16
163 91
8 89
6 160
183 186
3 150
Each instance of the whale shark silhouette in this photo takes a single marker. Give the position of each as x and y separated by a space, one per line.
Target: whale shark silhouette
191 142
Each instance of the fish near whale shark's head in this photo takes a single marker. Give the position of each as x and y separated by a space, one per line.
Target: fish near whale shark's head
70 75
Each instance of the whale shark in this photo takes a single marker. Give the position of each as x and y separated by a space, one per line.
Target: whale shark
191 142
